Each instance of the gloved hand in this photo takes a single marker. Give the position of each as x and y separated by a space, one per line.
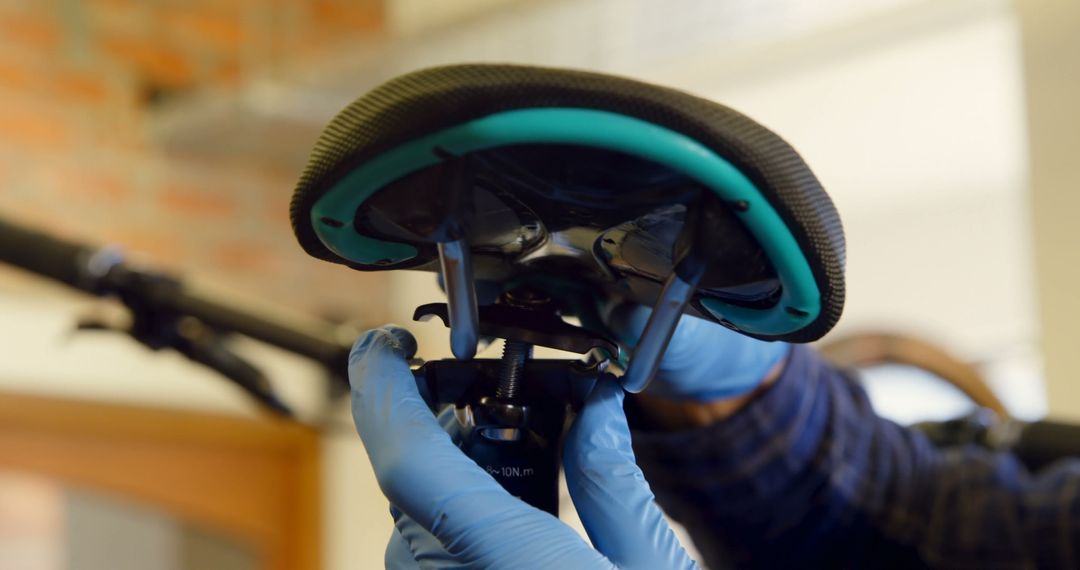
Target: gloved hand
449 513
704 360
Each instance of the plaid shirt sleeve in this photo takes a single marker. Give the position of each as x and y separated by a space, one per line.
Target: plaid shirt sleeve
807 475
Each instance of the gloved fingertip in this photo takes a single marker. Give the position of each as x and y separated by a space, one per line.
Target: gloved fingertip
601 425
604 402
391 337
613 500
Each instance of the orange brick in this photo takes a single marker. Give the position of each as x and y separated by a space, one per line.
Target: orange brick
163 63
310 44
16 76
229 73
37 79
355 15
79 86
30 31
96 186
245 257
196 202
278 221
113 4
220 31
36 130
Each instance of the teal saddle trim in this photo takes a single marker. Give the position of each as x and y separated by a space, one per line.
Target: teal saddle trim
799 303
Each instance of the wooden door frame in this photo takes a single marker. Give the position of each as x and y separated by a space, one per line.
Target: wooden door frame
257 480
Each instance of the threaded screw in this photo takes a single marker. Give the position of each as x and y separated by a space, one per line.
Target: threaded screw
512 372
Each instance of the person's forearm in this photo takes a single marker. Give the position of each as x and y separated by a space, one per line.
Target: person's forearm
805 474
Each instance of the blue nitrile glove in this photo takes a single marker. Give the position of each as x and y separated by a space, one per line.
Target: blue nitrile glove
704 360
449 513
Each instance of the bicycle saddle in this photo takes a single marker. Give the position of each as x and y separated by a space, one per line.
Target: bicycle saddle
586 187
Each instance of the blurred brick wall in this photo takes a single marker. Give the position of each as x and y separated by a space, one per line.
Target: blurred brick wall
80 82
